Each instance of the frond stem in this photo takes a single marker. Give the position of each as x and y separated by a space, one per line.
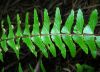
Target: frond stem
25 36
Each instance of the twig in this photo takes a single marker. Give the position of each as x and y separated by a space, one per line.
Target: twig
97 5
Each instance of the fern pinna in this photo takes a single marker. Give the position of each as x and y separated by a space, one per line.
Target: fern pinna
45 39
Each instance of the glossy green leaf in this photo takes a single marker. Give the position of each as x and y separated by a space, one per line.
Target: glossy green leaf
37 39
79 39
11 36
3 37
45 32
27 39
98 41
89 29
67 38
56 33
20 68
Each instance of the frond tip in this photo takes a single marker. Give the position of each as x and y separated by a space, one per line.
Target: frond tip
44 40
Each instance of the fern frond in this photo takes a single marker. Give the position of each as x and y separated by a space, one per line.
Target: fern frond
45 39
